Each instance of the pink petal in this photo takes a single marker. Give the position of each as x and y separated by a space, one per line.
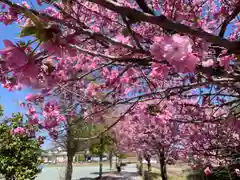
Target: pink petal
8 43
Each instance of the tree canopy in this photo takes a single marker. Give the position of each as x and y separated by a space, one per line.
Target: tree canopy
166 61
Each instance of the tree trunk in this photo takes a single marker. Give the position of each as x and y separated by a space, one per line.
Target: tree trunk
140 166
163 167
101 156
100 165
149 165
70 146
69 169
110 160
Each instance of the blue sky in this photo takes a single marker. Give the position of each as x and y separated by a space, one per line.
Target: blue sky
10 100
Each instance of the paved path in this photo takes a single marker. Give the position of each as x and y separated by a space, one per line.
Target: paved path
88 172
129 172
56 173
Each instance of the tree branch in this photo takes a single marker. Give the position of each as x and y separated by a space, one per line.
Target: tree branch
131 32
225 24
163 22
110 126
83 29
142 4
229 19
140 61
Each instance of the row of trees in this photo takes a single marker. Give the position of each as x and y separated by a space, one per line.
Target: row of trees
20 151
104 145
150 133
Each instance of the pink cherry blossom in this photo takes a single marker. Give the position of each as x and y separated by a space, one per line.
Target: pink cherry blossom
31 110
34 98
95 28
34 119
58 46
39 2
3 6
207 171
208 63
22 104
91 89
159 71
14 56
52 47
186 64
174 47
29 97
225 61
177 50
122 39
19 131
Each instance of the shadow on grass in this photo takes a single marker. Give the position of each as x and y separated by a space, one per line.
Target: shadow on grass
124 175
105 178
154 175
105 172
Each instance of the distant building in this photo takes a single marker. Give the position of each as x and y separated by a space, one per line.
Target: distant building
54 157
58 156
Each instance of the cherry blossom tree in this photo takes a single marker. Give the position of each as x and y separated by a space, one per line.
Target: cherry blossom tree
61 117
161 129
216 144
151 130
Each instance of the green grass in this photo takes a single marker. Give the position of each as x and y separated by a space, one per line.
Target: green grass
172 175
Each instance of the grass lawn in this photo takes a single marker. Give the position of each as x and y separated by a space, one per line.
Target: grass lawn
174 173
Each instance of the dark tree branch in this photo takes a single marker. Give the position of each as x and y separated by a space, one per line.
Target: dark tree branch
86 31
225 24
142 4
132 32
229 19
163 22
140 61
112 125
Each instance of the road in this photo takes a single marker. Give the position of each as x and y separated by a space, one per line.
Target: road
56 173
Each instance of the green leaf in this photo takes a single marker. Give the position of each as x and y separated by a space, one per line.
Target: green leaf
1 111
21 43
53 1
33 17
90 77
28 31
